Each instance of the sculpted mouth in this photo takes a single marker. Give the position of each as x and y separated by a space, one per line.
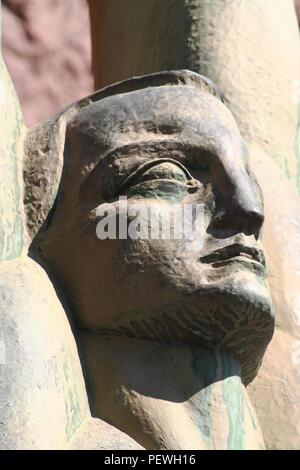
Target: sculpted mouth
235 251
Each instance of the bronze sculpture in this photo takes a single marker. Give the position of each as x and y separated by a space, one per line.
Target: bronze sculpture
37 311
165 138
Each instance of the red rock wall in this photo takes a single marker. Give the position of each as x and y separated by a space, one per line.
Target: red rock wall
47 49
297 5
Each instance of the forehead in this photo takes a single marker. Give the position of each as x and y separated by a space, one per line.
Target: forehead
152 113
110 138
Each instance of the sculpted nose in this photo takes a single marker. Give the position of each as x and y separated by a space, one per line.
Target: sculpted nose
238 209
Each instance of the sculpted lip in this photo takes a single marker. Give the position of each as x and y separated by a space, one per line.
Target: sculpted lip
229 252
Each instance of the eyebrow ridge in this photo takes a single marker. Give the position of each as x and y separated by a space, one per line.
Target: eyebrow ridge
144 145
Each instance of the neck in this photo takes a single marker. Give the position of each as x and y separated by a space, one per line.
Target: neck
169 396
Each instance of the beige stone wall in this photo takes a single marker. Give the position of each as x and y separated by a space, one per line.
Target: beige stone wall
46 46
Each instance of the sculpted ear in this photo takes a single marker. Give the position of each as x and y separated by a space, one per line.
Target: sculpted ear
43 163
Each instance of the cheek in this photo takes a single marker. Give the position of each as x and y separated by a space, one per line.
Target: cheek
140 275
150 241
206 197
162 265
145 256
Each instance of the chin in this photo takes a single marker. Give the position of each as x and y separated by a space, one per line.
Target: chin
242 319
235 315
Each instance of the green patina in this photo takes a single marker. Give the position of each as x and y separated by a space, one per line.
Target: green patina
75 410
234 401
251 416
283 164
66 371
286 168
73 414
170 191
296 150
204 366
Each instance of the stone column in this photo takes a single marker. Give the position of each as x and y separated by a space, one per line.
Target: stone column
12 130
42 393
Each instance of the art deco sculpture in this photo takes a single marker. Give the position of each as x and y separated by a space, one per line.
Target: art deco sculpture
168 337
166 139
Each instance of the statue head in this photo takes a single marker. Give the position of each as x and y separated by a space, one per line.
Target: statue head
167 143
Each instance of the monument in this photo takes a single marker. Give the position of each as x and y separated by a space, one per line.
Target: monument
205 315
168 336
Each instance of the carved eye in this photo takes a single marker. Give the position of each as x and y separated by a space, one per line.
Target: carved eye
161 178
160 169
163 171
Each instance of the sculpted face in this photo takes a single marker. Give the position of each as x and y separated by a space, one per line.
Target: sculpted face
172 145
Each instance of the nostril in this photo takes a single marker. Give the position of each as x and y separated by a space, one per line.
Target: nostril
218 219
238 219
257 217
